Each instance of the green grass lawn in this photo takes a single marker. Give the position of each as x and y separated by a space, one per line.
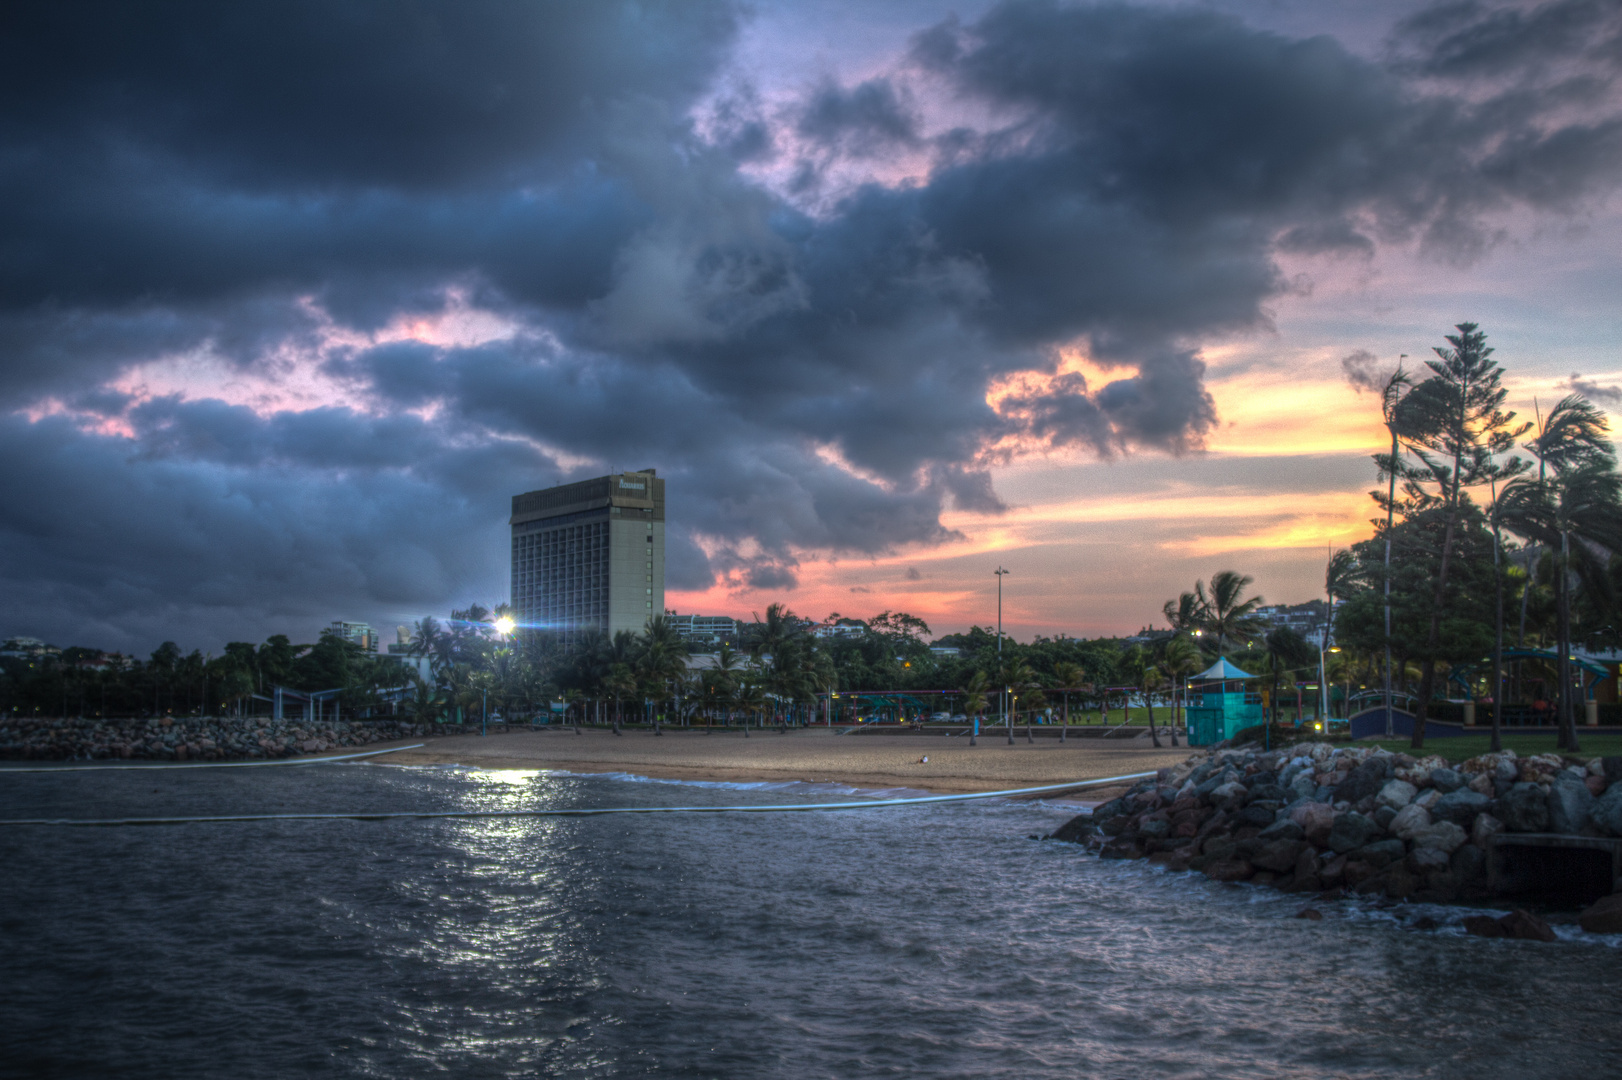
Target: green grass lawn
1469 746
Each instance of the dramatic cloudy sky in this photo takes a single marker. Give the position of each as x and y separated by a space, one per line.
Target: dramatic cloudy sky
295 295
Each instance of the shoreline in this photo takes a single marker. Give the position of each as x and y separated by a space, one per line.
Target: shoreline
806 755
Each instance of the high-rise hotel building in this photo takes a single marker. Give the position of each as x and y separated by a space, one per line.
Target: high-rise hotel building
591 554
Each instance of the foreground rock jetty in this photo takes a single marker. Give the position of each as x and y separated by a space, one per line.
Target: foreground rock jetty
188 739
1316 817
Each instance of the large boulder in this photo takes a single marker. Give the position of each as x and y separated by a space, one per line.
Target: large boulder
1409 820
1526 926
1605 917
1351 831
1257 814
1230 796
1483 829
1074 831
1229 870
1570 805
1446 780
1282 829
1460 806
1524 808
1279 855
1396 794
1443 835
1381 853
1428 860
1606 813
1316 820
1365 780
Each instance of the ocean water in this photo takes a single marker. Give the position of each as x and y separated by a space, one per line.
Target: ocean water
932 941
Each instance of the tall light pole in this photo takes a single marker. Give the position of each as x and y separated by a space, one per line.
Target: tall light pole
1002 697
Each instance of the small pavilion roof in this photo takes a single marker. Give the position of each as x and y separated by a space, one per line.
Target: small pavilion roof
1222 670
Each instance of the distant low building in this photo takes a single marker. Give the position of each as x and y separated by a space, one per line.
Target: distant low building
1305 619
839 628
705 631
27 648
359 633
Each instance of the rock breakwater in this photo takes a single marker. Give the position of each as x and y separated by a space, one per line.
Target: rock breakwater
1316 817
188 738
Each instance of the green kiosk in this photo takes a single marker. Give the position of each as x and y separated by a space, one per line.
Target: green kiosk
1225 707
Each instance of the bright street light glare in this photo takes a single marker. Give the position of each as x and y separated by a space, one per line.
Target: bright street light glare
504 625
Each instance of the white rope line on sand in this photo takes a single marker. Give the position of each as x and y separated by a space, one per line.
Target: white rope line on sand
204 764
866 804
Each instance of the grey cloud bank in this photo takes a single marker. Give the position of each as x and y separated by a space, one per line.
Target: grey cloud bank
274 185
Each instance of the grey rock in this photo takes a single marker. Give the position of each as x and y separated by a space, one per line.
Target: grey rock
1443 835
1396 794
1446 780
1255 814
1428 860
1483 829
1154 830
1606 813
1283 829
1260 792
1278 855
1384 816
1351 831
1612 768
1409 820
1381 853
1523 808
1366 779
1288 810
1229 795
1570 805
1302 786
1460 806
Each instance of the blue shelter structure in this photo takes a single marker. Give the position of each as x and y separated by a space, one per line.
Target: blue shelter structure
1225 707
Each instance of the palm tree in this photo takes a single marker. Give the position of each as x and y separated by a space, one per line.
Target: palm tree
1185 613
975 701
752 699
1180 660
1067 675
1584 504
424 707
1224 613
1150 681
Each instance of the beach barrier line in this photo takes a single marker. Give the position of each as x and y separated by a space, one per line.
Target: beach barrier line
205 764
870 804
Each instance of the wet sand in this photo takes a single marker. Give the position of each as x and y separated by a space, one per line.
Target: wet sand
814 755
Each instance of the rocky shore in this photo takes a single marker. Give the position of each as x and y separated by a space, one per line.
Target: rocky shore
1317 818
188 738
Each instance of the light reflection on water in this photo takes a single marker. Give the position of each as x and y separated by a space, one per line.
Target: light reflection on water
922 941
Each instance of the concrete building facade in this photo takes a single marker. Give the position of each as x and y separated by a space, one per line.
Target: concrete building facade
590 555
359 633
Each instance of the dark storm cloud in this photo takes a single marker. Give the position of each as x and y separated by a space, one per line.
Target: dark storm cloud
1611 395
1363 371
1476 40
865 119
266 184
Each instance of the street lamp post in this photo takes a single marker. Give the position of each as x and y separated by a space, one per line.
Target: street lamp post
1002 697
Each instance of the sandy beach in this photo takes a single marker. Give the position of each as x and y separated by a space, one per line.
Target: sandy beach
815 755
